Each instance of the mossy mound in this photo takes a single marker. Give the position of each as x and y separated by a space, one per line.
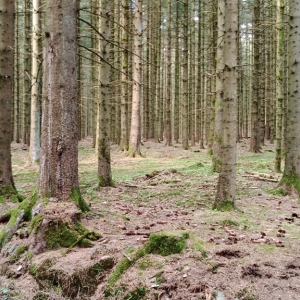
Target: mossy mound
75 274
66 235
16 215
159 243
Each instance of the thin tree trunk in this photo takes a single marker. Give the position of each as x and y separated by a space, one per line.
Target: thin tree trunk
35 129
103 120
134 142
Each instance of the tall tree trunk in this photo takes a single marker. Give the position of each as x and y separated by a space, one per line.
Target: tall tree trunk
291 175
59 147
35 129
168 102
279 82
135 138
124 79
226 188
255 117
7 15
103 120
217 140
185 72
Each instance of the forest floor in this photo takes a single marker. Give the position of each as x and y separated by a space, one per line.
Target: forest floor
246 255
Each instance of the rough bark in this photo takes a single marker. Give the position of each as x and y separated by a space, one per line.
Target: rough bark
291 176
217 141
124 79
279 82
7 11
35 105
59 149
103 121
226 188
134 142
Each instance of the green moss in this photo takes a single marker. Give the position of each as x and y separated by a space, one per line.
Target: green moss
77 198
102 182
145 264
228 222
198 246
277 192
17 253
29 255
224 206
60 235
23 208
291 181
138 293
35 223
10 191
164 244
159 243
33 270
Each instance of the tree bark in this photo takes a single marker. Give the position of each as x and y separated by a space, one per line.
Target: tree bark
291 175
35 129
135 135
7 14
59 148
104 167
226 188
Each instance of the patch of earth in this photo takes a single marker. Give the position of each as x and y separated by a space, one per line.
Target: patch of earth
251 254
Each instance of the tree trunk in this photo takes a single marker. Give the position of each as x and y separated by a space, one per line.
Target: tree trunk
104 167
59 148
185 72
168 102
134 142
291 176
7 8
279 82
124 79
217 140
226 188
35 129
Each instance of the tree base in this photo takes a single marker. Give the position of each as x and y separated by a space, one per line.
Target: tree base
58 226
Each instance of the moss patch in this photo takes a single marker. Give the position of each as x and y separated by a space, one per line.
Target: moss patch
289 182
159 243
138 293
10 192
224 206
20 213
60 234
77 198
